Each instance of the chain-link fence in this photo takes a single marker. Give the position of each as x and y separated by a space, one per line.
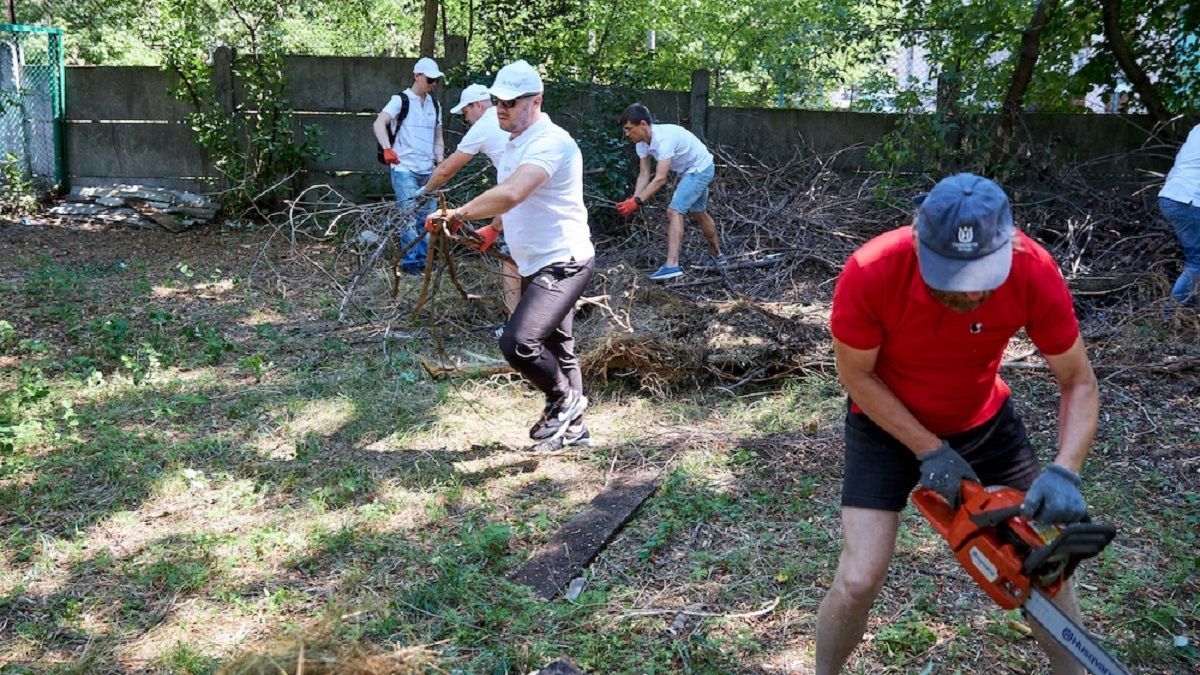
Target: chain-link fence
32 103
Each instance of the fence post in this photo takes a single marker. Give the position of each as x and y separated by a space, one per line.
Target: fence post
222 77
698 110
455 55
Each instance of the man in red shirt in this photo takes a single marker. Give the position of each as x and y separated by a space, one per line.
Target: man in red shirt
921 317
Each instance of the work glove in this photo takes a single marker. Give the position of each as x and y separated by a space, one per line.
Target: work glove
390 156
943 471
433 222
489 235
1054 497
627 207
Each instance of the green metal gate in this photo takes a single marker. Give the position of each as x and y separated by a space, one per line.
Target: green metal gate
33 102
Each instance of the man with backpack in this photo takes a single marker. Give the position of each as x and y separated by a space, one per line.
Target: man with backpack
409 133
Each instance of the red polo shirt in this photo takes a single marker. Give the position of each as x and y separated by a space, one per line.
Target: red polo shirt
945 366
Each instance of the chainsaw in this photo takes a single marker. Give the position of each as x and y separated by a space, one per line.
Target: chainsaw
1020 563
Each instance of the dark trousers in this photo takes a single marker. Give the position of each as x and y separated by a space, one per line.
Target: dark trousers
538 341
881 471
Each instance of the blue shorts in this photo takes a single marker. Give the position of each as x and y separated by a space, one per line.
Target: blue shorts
691 195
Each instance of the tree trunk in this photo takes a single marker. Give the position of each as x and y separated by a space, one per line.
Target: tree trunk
1027 58
429 28
1136 76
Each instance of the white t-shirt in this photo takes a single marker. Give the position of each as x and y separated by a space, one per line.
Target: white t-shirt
486 136
415 139
1183 183
671 141
550 225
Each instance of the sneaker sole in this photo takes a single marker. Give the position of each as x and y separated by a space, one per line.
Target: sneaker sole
665 277
543 446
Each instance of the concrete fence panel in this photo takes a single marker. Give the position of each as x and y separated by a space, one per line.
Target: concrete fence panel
123 93
344 84
119 150
781 134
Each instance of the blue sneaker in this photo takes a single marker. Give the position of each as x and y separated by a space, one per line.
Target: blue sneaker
663 273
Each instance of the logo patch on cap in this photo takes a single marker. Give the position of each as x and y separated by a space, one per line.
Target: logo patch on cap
966 243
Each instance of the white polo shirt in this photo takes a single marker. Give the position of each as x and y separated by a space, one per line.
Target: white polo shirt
1183 183
671 141
485 136
550 225
415 139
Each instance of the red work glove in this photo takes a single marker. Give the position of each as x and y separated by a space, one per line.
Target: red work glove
433 222
390 157
627 207
489 235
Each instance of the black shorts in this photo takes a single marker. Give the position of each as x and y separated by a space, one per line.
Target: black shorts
881 471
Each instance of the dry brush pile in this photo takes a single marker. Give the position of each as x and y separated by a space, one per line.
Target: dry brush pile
786 228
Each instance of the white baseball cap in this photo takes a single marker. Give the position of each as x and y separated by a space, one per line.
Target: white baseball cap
473 93
427 67
515 79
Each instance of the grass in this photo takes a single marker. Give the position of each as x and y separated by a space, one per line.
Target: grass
188 470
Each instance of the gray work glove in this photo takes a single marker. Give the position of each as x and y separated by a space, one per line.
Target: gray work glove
1054 497
943 471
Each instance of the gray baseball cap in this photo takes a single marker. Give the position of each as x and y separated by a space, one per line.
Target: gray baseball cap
964 234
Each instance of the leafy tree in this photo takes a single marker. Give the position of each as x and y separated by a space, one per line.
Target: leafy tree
254 146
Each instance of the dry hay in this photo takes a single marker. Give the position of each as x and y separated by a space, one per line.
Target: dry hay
333 659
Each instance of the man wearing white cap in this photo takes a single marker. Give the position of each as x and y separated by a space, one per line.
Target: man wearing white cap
545 222
921 318
486 136
409 130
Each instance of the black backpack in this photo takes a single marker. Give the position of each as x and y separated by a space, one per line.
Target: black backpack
394 127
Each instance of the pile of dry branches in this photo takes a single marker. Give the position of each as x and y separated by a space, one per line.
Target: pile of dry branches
786 227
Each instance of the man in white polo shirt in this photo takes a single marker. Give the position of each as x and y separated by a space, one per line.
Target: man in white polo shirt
545 222
674 149
409 129
486 136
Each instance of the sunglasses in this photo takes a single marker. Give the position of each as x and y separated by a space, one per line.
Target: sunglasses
432 80
510 104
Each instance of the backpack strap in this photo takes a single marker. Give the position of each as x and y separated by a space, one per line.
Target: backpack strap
394 127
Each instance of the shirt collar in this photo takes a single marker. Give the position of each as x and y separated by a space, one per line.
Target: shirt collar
531 131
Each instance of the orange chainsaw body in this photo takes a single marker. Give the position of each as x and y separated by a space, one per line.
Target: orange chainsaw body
991 540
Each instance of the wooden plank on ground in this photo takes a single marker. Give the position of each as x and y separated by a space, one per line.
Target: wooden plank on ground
574 546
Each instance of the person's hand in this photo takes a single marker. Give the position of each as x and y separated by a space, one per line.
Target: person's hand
627 207
433 221
390 157
1054 497
489 235
943 471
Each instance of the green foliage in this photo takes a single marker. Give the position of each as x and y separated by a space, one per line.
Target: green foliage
254 148
785 53
19 426
8 337
256 364
609 162
212 341
18 194
488 543
905 638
